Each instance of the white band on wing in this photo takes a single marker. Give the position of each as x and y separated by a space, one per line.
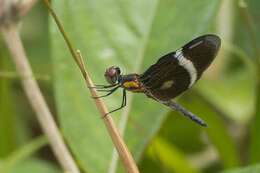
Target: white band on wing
187 65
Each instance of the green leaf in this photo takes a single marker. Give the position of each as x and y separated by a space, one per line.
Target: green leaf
170 156
132 35
217 131
7 123
254 43
235 97
173 131
249 169
22 154
255 130
247 38
35 165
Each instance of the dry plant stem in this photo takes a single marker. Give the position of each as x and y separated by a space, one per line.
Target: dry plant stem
58 23
13 42
120 145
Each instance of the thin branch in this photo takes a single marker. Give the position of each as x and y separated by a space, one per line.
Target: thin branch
62 31
8 16
32 90
120 145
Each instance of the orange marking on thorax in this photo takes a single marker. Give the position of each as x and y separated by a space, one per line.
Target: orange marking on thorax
131 84
134 86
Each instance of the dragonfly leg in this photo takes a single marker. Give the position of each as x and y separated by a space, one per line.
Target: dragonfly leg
103 86
106 89
110 92
123 104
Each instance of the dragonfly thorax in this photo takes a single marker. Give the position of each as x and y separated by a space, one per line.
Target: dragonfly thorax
131 82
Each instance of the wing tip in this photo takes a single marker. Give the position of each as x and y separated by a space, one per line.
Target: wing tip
213 40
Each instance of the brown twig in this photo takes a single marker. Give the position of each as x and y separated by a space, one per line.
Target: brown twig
32 90
36 99
13 41
120 145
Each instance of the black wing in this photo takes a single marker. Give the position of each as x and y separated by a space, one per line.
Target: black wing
177 71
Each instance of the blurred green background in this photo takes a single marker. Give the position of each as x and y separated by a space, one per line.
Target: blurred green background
133 34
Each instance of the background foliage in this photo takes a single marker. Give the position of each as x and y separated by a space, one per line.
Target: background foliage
133 35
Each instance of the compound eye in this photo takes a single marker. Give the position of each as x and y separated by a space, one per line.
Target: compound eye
111 75
110 79
118 70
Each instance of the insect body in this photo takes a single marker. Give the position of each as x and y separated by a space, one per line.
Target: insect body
132 83
170 76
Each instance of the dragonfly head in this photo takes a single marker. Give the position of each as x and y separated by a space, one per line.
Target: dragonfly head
112 74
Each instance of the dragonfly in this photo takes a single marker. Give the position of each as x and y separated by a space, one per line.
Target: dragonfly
170 76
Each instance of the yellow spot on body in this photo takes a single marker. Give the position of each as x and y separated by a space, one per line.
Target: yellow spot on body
167 84
131 84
